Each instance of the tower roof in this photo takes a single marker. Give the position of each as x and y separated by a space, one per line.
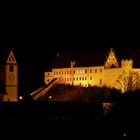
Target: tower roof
4 53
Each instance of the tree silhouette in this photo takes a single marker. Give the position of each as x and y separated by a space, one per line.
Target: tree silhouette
128 81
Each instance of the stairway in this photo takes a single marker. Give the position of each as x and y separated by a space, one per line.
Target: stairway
44 89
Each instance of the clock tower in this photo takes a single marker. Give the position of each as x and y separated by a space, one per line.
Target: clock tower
11 78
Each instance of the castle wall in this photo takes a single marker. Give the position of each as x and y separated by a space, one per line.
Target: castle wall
82 76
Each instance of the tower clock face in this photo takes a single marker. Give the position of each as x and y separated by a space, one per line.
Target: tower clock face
11 77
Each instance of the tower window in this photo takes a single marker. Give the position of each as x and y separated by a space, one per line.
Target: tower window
11 68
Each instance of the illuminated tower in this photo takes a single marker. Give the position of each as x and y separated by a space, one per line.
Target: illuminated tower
11 78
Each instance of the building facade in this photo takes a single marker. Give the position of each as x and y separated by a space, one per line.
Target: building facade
112 74
9 77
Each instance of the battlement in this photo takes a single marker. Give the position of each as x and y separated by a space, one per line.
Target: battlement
127 63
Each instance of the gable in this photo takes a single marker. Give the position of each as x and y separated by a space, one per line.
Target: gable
111 60
11 58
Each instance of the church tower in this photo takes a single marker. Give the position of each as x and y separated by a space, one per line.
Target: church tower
11 78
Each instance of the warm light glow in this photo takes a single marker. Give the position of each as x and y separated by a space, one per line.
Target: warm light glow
50 97
20 97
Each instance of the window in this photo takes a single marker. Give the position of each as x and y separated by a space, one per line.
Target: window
90 78
74 71
48 80
100 81
74 78
85 71
70 72
82 78
67 72
54 73
95 70
100 70
85 78
77 78
90 71
9 58
11 68
13 58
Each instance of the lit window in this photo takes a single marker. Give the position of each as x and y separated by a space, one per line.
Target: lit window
11 68
77 71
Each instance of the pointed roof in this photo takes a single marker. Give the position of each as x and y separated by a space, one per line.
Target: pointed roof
111 61
4 54
11 58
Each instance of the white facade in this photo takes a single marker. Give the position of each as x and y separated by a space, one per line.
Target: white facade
107 75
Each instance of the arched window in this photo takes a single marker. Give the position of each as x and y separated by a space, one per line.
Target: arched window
11 68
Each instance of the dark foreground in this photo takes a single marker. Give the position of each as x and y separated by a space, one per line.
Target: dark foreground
70 120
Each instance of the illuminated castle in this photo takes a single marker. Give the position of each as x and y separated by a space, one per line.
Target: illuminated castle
8 77
82 70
